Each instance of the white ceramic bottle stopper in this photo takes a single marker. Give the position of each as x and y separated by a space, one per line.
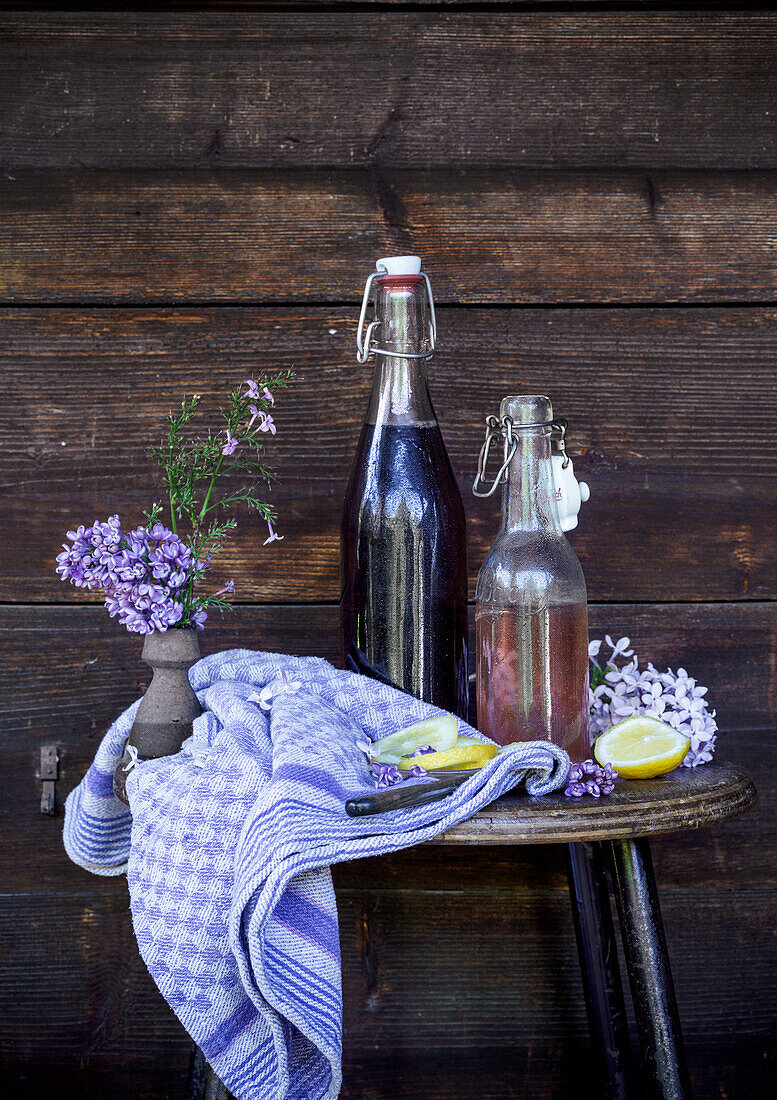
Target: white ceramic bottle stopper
570 493
399 265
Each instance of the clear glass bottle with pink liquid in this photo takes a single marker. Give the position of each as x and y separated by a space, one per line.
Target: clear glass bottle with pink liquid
531 615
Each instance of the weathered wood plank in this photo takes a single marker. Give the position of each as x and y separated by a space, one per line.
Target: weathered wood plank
498 1072
434 972
670 410
240 90
85 953
68 672
75 993
309 234
320 5
91 667
91 1079
433 982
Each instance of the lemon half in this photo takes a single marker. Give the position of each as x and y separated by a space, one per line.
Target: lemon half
641 748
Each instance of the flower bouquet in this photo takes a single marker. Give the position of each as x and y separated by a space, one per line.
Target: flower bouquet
153 576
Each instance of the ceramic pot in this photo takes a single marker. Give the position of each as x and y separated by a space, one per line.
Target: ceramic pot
167 710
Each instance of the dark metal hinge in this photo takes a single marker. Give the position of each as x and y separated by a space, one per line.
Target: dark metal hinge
49 771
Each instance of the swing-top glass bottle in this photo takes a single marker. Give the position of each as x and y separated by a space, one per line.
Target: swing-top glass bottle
531 615
403 544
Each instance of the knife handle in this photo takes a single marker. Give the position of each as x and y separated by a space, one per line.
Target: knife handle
400 797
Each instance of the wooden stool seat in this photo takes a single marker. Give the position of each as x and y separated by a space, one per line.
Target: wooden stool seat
685 799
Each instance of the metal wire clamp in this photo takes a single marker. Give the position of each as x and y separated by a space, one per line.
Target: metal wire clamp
495 427
560 425
506 428
364 346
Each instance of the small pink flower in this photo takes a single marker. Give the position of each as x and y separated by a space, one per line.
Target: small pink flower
273 537
230 445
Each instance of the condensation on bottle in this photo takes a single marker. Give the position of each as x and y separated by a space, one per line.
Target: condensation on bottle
531 613
403 609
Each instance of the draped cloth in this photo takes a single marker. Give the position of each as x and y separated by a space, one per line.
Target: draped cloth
227 847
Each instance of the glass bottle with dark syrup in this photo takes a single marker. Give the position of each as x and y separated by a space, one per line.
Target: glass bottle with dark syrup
531 614
403 546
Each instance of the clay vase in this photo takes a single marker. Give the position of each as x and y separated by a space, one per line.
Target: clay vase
167 710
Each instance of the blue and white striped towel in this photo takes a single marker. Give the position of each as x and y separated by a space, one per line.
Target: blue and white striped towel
227 851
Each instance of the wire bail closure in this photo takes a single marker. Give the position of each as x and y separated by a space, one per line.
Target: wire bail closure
364 346
506 428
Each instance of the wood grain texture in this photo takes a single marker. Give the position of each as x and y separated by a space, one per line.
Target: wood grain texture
503 1008
162 90
91 668
76 1001
432 984
261 6
442 988
309 235
671 416
84 945
545 158
92 1079
686 799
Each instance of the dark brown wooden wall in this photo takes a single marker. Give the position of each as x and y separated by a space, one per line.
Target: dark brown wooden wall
187 198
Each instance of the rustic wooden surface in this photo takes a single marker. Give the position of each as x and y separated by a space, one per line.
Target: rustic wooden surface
447 985
639 89
488 235
670 410
186 198
685 799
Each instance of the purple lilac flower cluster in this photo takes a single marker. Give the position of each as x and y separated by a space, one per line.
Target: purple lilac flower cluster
671 697
590 778
386 775
142 573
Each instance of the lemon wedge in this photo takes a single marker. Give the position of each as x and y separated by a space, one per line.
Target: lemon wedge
641 748
440 733
460 757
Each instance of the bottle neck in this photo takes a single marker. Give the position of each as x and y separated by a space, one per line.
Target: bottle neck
400 388
529 497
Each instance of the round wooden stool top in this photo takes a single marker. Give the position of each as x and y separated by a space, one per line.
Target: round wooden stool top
685 799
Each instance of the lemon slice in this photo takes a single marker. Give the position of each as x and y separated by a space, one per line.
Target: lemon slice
440 733
641 748
460 757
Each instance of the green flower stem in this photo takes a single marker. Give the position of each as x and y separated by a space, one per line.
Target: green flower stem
171 497
216 472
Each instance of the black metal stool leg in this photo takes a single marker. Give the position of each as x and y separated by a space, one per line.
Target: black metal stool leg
652 990
590 896
203 1084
